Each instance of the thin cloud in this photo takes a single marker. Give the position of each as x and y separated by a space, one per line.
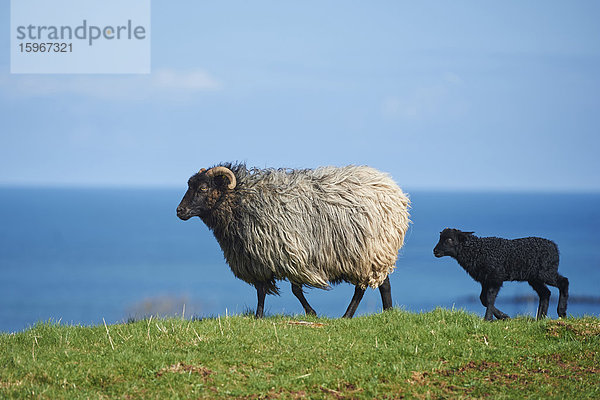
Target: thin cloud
163 82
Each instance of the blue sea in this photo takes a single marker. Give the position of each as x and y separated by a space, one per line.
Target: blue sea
79 256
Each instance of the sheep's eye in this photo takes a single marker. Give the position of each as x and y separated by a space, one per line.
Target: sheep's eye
449 240
203 188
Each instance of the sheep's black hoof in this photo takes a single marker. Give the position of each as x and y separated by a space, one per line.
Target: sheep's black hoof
500 315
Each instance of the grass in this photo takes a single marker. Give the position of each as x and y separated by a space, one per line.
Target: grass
392 355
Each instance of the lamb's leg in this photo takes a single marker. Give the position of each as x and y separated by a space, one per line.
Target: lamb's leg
358 295
563 287
261 291
562 284
385 289
544 294
499 314
297 290
483 297
492 292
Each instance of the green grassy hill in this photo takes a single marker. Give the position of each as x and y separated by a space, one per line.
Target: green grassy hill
396 354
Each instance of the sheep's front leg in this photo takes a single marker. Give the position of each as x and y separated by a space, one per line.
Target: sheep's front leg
358 295
499 314
492 292
297 290
483 297
261 292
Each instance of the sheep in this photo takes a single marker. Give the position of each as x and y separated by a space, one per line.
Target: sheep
311 227
492 261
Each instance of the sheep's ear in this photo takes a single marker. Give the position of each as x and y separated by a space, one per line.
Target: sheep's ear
462 236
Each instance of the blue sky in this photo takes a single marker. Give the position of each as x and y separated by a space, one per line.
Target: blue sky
442 95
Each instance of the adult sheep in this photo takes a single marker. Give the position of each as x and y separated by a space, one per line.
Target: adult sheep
312 227
492 261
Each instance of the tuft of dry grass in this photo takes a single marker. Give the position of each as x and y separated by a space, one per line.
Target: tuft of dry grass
181 368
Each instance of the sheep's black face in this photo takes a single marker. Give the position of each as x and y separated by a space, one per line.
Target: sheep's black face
200 198
450 241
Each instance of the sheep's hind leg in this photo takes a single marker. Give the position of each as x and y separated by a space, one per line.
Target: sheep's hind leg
385 289
358 295
544 294
562 284
563 287
261 292
297 290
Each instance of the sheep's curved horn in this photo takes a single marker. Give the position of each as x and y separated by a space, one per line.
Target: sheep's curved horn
223 171
202 170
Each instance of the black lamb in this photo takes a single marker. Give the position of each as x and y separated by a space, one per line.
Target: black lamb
492 261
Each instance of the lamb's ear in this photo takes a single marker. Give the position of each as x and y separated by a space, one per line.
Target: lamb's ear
462 236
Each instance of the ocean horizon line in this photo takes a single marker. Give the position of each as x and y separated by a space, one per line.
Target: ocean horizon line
406 188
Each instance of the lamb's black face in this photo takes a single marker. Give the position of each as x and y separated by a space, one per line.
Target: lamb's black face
199 198
450 239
